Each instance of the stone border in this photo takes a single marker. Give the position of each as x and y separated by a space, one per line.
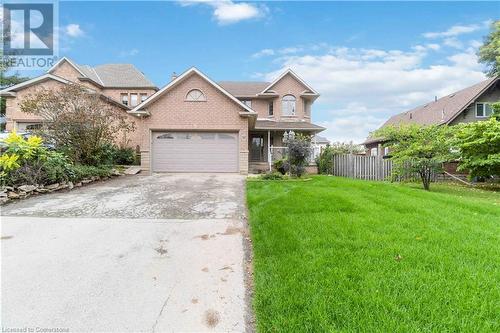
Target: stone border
12 193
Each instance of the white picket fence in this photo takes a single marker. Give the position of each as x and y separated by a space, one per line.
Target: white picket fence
362 167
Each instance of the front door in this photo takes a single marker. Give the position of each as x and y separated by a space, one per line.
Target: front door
257 152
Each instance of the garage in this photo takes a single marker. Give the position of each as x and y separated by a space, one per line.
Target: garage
195 152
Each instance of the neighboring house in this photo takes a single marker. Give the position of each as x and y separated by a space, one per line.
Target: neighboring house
193 124
467 105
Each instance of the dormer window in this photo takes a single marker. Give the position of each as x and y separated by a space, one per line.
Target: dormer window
195 95
288 105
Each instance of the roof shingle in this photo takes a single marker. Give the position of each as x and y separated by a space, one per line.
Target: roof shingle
243 88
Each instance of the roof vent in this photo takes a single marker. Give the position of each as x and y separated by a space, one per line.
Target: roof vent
435 98
174 76
452 95
426 105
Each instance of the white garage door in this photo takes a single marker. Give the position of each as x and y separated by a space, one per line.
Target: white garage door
195 152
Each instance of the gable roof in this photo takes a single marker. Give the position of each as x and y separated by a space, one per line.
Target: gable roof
442 111
445 109
109 75
10 91
243 88
173 83
292 73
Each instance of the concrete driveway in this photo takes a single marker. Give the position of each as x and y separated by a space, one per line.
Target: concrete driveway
161 253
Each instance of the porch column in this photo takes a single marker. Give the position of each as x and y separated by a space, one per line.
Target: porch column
269 151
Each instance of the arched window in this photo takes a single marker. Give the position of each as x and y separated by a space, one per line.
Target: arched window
195 95
288 105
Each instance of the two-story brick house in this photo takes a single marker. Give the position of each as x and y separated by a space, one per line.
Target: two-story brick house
192 124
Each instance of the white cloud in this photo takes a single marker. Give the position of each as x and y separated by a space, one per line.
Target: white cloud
129 53
228 12
453 42
73 30
361 88
457 30
263 53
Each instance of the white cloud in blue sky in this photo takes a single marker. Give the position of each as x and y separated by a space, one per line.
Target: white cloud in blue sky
228 12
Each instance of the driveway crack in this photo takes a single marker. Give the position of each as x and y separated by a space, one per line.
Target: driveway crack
162 308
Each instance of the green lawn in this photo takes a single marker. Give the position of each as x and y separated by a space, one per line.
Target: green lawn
334 254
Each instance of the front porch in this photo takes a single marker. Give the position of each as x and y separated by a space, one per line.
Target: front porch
267 146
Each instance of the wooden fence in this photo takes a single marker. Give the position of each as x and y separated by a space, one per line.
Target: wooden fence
372 168
362 167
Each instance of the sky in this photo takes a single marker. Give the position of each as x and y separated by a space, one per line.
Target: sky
368 60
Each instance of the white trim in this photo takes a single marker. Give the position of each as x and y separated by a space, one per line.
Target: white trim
289 71
484 109
70 62
32 81
179 79
102 83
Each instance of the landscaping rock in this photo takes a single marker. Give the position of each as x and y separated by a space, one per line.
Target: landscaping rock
8 188
70 185
79 184
52 186
12 195
115 172
3 200
3 194
42 190
86 181
27 188
62 187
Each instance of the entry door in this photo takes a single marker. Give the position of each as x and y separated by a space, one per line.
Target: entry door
257 147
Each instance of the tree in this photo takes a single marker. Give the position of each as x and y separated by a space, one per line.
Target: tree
299 150
325 160
489 53
78 121
417 149
479 146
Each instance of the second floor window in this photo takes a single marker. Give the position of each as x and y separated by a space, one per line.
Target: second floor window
307 108
288 105
483 110
133 99
195 95
270 108
144 97
124 98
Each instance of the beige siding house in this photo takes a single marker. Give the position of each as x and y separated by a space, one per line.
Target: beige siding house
193 124
467 105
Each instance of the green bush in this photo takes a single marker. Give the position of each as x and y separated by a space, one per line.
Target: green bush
325 161
124 156
281 166
272 176
81 172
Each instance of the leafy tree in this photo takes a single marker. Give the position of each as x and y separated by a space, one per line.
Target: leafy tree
79 121
489 53
299 150
479 146
417 149
325 160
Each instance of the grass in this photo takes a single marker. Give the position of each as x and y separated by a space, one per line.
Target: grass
341 255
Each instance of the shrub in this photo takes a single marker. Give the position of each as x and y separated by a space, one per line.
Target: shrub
272 176
325 161
124 156
81 172
281 166
299 149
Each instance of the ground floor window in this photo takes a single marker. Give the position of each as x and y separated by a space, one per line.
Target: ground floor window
483 110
